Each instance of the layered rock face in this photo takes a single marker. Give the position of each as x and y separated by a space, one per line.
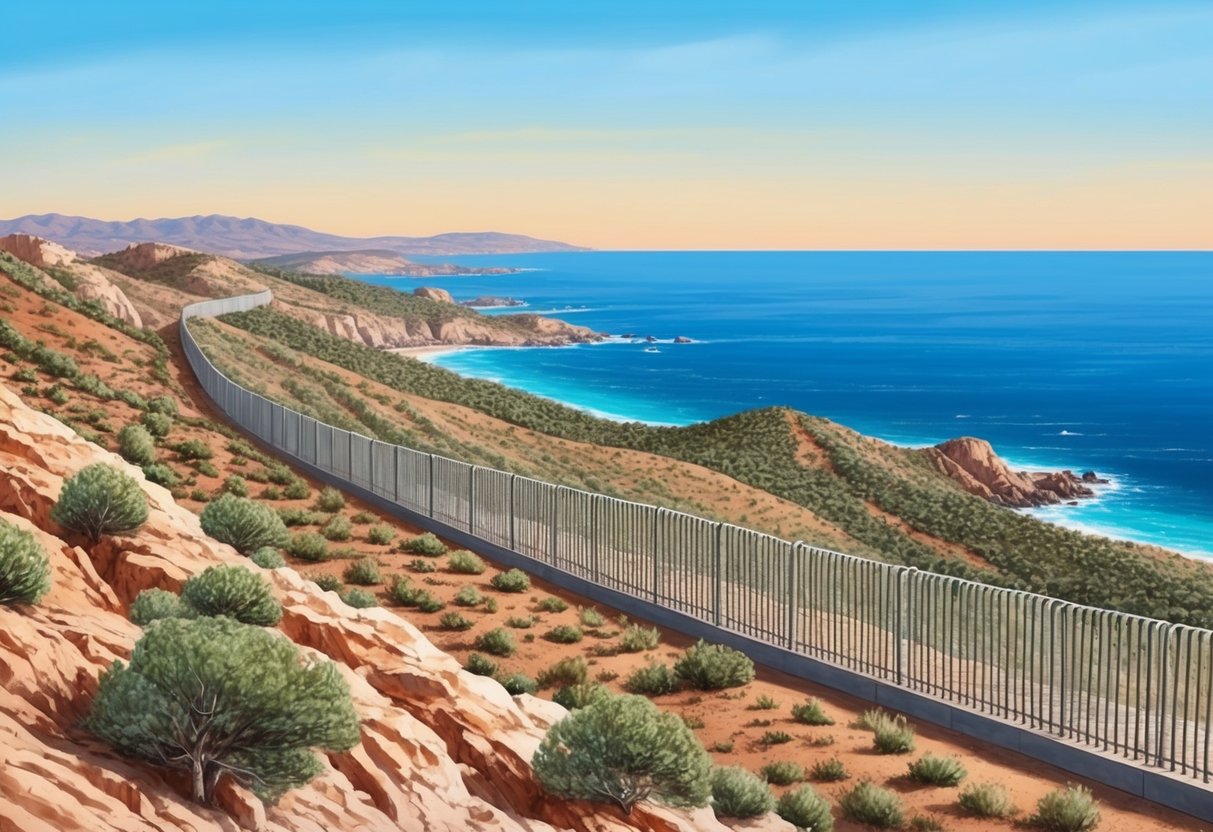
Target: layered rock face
92 282
441 749
973 463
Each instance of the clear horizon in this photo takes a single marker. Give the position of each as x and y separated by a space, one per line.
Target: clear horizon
1077 125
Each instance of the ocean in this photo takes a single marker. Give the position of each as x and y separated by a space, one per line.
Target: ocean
1081 360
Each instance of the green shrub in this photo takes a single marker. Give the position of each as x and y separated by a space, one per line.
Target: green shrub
337 529
806 810
58 395
986 800
25 374
363 517
497 642
206 469
274 706
99 500
270 493
456 622
714 667
426 602
465 563
570 671
775 737
300 516
56 363
234 591
937 771
519 683
157 424
783 772
573 697
763 703
242 523
723 746
1072 809
828 771
425 544
165 405
590 617
737 793
564 634
136 445
329 583
422 566
267 557
25 570
308 546
279 474
622 750
403 593
468 596
513 580
199 495
654 680
160 474
192 449
154 604
359 599
380 535
330 500
236 486
296 490
490 605
637 639
811 713
552 604
480 665
364 572
868 803
519 622
894 736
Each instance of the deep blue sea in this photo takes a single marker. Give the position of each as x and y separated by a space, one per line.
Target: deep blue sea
1086 361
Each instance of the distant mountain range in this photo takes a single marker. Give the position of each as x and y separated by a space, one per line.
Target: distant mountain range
247 239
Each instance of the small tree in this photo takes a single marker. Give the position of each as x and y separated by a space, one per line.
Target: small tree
245 524
234 591
212 697
25 571
100 500
622 750
136 445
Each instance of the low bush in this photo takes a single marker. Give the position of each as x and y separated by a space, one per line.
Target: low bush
267 557
519 683
763 703
464 562
805 809
136 445
279 474
234 591
337 529
364 572
572 697
99 500
497 642
564 634
895 736
811 713
380 535
590 617
296 490
519 622
199 495
654 680
403 593
242 523
637 639
775 738
330 500
157 424
193 449
236 485
425 544
868 803
154 604
828 771
512 580
480 665
570 671
329 583
308 546
359 599
165 405
206 469
937 771
468 596
986 800
737 793
270 493
783 772
427 602
552 604
160 474
25 570
300 517
1072 809
455 622
363 517
714 667
421 565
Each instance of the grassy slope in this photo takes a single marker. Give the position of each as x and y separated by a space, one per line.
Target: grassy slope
759 448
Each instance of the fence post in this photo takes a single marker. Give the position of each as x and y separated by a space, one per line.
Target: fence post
717 588
431 478
594 539
513 519
396 474
472 500
793 577
554 539
1163 661
654 550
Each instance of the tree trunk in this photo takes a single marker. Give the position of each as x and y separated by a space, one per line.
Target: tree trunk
200 795
211 778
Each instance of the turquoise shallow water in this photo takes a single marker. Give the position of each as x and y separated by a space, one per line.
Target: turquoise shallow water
1100 361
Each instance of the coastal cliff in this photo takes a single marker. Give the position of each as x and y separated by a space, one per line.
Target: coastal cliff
369 262
973 464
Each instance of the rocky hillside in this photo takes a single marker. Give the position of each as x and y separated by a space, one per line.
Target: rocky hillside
437 743
86 281
367 262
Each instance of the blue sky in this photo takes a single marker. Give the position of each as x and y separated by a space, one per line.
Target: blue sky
632 125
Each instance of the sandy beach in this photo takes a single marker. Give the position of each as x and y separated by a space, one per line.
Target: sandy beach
431 351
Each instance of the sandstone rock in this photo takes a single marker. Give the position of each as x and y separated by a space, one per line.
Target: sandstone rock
36 251
973 463
144 256
440 295
91 281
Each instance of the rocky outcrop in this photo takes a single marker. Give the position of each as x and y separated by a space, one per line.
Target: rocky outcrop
431 293
36 251
141 257
441 749
89 282
973 464
368 262
491 302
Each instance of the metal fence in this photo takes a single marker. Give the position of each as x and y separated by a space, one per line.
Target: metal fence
1136 687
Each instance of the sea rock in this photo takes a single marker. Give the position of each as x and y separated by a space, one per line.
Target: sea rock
441 749
492 301
440 295
652 339
973 464
682 339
